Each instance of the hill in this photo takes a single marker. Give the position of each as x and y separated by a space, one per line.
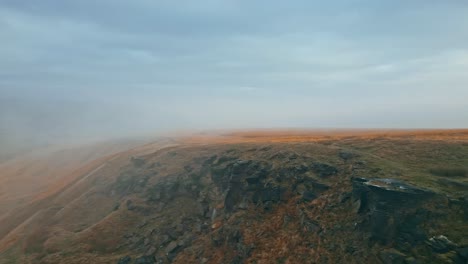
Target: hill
255 197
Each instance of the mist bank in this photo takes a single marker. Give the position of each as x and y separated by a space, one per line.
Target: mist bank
41 118
28 124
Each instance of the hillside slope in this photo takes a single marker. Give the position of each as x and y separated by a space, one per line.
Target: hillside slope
259 197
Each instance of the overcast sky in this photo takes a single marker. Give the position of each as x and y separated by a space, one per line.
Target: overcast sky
73 68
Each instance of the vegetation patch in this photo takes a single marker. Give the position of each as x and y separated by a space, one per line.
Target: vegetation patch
449 172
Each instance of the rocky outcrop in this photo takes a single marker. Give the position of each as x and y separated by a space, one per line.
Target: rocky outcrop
257 182
391 209
398 214
222 189
441 244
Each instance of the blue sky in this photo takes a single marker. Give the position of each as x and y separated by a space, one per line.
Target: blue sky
113 67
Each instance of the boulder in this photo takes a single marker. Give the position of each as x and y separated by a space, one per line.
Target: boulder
150 251
172 247
391 209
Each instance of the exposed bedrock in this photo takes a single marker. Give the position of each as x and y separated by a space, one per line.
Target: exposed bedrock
392 209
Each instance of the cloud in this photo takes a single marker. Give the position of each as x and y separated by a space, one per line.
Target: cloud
130 66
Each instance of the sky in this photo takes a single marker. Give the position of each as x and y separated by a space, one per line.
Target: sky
86 69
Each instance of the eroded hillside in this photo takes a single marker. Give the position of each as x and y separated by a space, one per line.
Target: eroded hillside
257 198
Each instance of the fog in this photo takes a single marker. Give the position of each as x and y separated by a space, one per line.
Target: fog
76 71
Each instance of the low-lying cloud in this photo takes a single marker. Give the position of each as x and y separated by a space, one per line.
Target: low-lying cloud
99 69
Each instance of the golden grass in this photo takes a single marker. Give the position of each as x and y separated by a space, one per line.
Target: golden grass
288 136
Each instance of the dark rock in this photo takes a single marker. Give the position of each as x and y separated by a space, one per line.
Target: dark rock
392 256
224 159
441 244
234 196
453 183
172 247
173 234
145 260
323 169
253 180
308 196
240 167
449 257
242 181
125 260
299 169
392 209
150 251
346 155
272 193
464 205
309 188
463 252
